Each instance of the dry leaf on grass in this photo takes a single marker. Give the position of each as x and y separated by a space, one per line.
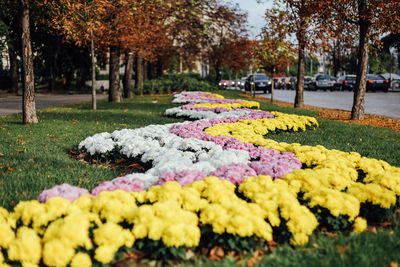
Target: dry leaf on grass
216 253
342 249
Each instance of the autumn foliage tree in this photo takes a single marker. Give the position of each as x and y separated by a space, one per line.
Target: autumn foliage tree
78 21
370 19
225 25
300 20
274 50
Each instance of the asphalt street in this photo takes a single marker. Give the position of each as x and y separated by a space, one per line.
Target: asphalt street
376 103
13 104
384 104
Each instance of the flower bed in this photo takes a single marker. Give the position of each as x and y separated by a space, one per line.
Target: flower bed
218 173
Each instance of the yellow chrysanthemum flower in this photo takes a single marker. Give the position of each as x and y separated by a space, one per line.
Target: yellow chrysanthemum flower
81 260
360 224
26 247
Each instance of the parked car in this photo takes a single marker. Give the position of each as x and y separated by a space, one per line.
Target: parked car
395 84
224 83
307 81
234 83
262 82
281 84
322 81
291 83
376 82
275 80
242 81
345 82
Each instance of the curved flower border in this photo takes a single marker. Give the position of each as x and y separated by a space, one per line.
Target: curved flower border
51 232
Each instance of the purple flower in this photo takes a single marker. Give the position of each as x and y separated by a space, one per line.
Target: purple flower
185 177
65 190
122 183
235 173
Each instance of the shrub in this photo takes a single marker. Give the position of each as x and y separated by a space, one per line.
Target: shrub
177 82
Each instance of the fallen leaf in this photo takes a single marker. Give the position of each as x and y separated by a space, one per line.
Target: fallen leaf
134 255
1 154
19 151
81 156
342 249
393 264
331 235
251 262
386 224
121 160
257 256
236 255
30 160
134 165
216 253
189 254
24 194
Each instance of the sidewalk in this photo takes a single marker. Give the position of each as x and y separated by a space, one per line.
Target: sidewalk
10 104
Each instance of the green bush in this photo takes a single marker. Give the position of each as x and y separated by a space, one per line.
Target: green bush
177 83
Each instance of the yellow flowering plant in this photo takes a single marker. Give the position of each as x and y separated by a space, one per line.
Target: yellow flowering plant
334 189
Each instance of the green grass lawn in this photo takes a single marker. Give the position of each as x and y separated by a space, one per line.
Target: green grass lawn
35 157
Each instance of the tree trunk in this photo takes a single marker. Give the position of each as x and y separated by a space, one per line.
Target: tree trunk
128 75
52 81
145 71
299 99
28 78
159 68
13 69
84 75
217 74
53 65
114 94
139 74
272 88
69 76
94 101
236 79
357 112
336 59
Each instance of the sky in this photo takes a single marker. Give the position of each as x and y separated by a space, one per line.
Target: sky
255 13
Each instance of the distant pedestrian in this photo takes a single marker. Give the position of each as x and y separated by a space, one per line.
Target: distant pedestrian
102 89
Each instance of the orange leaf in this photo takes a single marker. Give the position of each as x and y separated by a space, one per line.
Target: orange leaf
137 255
19 151
342 249
216 253
134 165
30 160
121 160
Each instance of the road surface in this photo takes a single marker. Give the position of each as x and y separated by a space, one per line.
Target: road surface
13 104
378 103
